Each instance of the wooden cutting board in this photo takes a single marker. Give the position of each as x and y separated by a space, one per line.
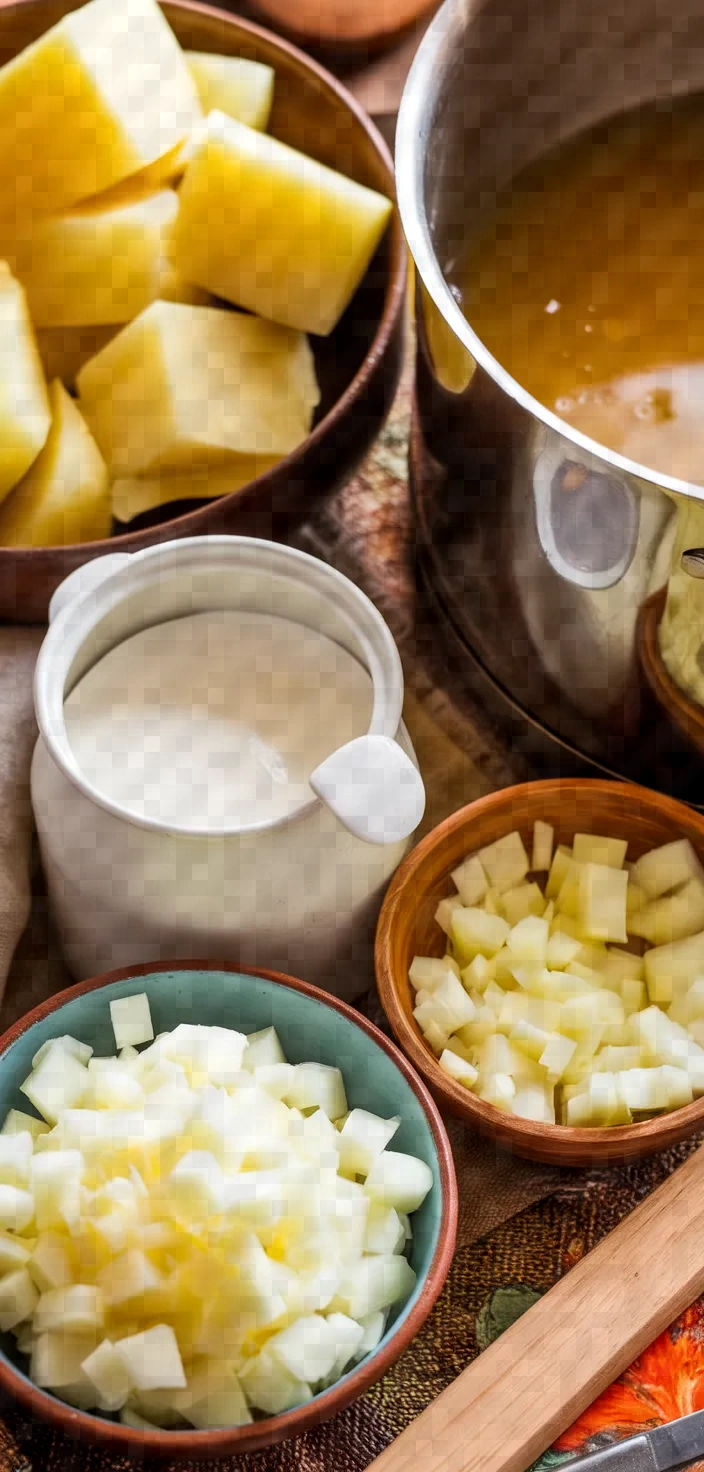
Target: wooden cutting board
512 1402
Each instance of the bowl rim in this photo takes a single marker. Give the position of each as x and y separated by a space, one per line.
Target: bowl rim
237 1440
462 1102
394 291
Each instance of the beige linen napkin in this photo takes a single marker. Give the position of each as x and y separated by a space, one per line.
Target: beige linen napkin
18 652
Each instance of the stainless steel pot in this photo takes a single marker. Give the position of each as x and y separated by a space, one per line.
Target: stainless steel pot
542 548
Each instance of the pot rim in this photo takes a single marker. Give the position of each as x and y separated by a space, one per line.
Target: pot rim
424 82
76 621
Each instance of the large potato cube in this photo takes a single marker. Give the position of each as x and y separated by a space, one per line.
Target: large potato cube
64 497
95 265
25 415
99 96
241 89
133 495
185 385
269 229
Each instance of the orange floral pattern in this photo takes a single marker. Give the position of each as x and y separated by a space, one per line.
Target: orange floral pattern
666 1382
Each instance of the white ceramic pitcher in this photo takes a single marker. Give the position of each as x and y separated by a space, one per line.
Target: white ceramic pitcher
300 894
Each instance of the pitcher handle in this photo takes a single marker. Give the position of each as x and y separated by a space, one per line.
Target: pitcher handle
373 789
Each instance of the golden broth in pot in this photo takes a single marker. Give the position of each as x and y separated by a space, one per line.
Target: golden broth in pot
586 282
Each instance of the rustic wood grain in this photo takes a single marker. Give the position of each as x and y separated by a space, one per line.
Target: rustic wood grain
527 1388
407 928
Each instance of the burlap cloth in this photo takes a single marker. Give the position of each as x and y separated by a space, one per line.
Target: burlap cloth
366 532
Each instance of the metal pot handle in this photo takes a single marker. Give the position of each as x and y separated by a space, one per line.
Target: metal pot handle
693 562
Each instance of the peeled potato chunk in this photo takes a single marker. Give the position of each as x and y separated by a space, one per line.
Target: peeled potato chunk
98 96
132 496
97 264
25 415
64 497
271 230
185 385
241 89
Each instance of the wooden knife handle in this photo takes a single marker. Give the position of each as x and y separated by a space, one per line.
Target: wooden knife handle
531 1384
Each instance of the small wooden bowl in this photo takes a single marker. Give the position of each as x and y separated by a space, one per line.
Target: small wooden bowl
344 26
685 714
407 928
311 1025
358 366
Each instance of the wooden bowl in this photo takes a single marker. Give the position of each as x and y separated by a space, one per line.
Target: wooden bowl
407 928
344 26
358 365
312 1026
685 714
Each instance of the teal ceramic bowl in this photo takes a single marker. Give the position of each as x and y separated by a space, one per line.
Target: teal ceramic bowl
312 1027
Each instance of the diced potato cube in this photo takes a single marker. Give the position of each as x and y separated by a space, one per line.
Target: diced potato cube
670 969
263 1047
616 1059
25 414
307 1348
559 869
427 971
671 917
525 900
587 848
14 1253
494 997
505 862
434 1023
492 902
18 1298
458 1068
587 1015
17 1123
473 1035
376 1283
152 1359
451 994
636 897
82 1051
251 389
59 1082
128 106
601 1103
363 1137
602 901
75 1308
689 1007
543 837
238 87
646 1089
131 1020
667 1042
664 869
106 1370
98 264
317 1084
633 995
503 966
530 1039
56 1365
50 1265
399 1180
269 1387
561 950
474 931
621 964
471 881
445 911
535 1101
568 900
64 497
528 941
478 974
15 1155
518 1007
497 1089
271 230
557 1055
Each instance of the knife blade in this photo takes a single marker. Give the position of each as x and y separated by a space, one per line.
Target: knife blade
664 1449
